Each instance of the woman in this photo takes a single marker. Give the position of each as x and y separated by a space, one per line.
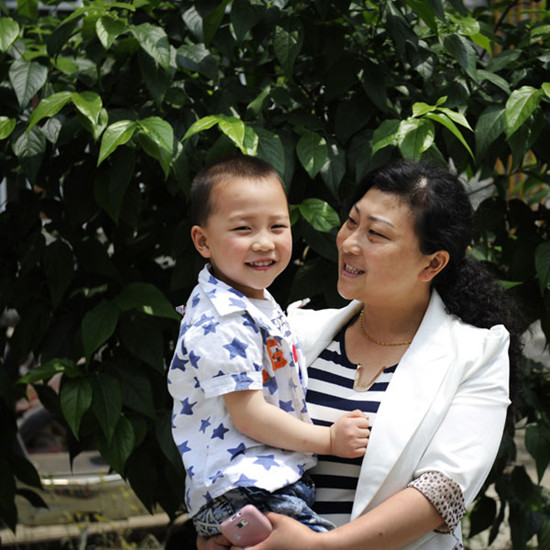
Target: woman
423 350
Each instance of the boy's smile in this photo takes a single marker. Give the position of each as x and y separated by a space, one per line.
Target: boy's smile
247 235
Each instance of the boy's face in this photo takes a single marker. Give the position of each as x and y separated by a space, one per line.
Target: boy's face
247 235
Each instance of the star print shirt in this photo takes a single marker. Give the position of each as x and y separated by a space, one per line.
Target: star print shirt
229 343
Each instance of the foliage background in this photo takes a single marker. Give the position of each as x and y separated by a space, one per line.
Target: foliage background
109 108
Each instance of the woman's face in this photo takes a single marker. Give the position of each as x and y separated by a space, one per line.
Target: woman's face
379 255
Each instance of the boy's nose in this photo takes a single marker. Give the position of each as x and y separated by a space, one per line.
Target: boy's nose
262 242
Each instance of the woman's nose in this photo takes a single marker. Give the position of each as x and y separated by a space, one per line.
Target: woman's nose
350 244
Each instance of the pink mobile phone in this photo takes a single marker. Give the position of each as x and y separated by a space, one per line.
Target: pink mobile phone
247 527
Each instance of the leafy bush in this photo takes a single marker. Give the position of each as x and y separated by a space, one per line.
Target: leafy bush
110 108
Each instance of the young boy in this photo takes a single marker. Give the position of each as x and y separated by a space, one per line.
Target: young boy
238 375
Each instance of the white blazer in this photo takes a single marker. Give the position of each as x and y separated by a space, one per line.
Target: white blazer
444 409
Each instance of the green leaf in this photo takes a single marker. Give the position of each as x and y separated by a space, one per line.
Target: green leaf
312 151
29 148
32 497
106 403
75 398
489 127
48 107
58 265
494 79
386 134
197 58
25 471
270 149
46 370
234 129
163 432
428 10
108 29
137 392
287 43
98 325
200 125
160 140
414 137
110 187
319 214
546 88
116 134
6 126
482 515
244 16
118 449
459 118
211 22
89 104
444 120
463 51
9 31
154 42
147 298
27 77
542 265
482 41
519 107
537 442
334 169
143 338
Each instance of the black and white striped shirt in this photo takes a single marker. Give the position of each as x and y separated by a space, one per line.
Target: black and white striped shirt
330 394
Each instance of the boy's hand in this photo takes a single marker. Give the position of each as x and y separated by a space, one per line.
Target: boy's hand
349 435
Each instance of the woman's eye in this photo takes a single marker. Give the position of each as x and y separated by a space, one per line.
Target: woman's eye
351 221
376 234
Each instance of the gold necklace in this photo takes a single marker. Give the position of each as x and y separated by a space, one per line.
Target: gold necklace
374 340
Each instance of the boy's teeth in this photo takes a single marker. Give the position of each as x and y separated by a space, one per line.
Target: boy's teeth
261 264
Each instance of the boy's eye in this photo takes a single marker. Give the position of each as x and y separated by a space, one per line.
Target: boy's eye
241 228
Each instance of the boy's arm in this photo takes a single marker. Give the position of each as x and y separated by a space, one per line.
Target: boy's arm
259 420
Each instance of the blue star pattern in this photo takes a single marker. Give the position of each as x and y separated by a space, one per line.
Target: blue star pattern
204 424
242 381
237 451
286 406
194 359
236 348
222 348
219 432
186 407
267 461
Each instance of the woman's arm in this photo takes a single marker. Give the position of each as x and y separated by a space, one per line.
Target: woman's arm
259 420
401 519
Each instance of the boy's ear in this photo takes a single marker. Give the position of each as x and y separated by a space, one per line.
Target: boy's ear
437 261
200 240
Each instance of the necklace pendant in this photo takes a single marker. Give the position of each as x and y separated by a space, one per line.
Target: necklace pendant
362 386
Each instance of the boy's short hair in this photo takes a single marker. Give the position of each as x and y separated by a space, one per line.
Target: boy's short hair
241 166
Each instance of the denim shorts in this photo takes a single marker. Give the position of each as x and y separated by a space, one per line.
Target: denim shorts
293 500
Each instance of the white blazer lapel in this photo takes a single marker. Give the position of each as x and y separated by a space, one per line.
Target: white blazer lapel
414 386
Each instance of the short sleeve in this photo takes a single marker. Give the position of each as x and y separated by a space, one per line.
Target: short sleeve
227 354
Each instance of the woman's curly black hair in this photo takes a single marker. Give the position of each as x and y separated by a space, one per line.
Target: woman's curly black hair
443 217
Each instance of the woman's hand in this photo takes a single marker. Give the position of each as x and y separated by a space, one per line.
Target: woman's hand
217 542
287 534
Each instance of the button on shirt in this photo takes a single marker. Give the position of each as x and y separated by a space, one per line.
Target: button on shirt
226 344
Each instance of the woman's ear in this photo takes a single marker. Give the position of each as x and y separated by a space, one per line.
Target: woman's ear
200 240
437 261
